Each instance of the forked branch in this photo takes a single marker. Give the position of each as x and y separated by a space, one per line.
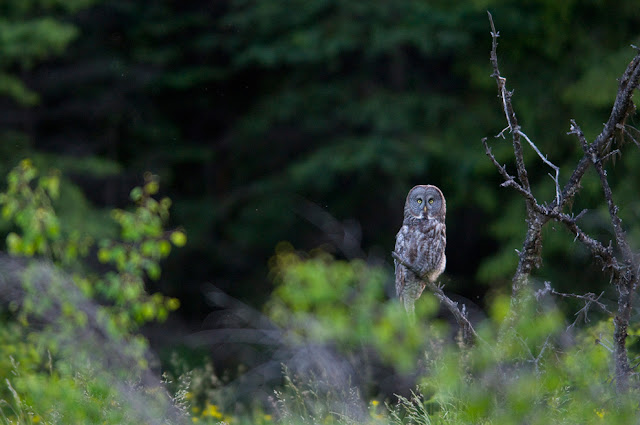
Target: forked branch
512 121
623 267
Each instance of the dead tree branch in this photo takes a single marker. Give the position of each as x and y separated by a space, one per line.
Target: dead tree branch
468 333
623 267
625 274
589 299
619 113
530 255
512 121
509 113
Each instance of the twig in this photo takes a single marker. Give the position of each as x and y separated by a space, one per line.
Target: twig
603 254
530 255
549 163
621 239
507 107
535 359
626 283
619 113
601 343
625 272
588 298
468 333
509 180
624 127
575 129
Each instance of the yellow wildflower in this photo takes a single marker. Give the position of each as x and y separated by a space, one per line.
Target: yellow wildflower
211 410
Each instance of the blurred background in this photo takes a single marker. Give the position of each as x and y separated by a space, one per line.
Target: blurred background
308 122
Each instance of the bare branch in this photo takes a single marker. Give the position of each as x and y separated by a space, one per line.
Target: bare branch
535 359
509 113
546 161
626 132
600 252
589 299
619 113
621 239
468 333
601 343
509 180
530 255
624 271
626 285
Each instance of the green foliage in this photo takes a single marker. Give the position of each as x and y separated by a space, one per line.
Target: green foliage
244 106
28 203
31 33
344 303
541 371
368 95
27 38
56 334
144 243
533 376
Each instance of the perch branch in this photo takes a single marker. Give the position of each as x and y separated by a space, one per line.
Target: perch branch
468 333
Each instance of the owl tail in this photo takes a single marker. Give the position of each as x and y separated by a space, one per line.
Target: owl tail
408 303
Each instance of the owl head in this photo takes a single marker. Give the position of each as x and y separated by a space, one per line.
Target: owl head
425 202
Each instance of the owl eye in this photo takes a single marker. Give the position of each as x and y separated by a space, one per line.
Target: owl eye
419 200
431 200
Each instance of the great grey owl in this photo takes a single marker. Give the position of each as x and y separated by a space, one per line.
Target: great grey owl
420 243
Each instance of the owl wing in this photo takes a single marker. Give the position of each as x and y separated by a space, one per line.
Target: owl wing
438 243
401 276
402 242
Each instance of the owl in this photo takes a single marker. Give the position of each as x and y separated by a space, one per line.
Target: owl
420 243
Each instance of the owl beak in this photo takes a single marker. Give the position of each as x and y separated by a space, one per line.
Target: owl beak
425 208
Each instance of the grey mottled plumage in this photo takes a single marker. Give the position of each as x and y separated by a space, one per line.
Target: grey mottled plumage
420 242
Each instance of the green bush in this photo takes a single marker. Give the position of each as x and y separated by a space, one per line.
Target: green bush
70 351
344 303
541 371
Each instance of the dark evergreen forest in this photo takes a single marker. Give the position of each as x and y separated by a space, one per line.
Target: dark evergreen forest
299 127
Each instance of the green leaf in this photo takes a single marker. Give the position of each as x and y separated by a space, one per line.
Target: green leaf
178 238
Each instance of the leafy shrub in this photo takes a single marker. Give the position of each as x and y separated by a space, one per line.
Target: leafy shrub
70 353
541 371
343 302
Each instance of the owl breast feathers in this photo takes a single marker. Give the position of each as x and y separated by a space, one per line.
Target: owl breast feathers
420 242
